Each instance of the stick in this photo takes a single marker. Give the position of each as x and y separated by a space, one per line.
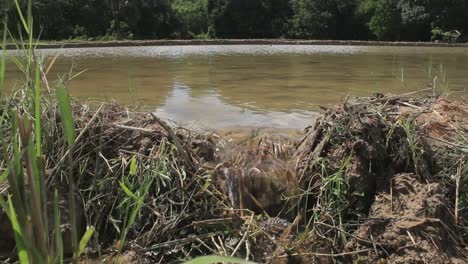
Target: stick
457 191
137 129
410 105
243 237
446 142
324 254
176 140
211 221
393 97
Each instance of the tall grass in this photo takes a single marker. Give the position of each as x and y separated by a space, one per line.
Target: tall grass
27 205
32 204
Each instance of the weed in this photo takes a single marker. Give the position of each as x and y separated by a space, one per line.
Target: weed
27 204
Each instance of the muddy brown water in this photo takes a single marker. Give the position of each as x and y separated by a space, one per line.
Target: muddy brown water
250 85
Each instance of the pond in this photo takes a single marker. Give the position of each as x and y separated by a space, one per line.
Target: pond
276 86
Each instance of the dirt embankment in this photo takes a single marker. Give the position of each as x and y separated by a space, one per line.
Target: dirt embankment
196 42
376 180
380 179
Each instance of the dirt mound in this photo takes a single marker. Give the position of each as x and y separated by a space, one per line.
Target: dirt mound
372 179
350 142
410 223
379 179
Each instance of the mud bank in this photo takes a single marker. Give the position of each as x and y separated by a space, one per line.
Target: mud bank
136 43
381 179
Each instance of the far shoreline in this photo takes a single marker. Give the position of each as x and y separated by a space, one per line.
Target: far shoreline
197 42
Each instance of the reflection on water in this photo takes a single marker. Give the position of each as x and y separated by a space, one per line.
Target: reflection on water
251 85
209 110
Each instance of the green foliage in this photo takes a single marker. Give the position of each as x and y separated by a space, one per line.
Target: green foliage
323 19
412 20
27 204
66 113
192 17
249 18
318 19
437 34
384 18
137 184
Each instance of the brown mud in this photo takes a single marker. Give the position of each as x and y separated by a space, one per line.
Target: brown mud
381 179
196 42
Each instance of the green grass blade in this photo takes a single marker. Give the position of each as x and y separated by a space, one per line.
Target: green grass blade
18 168
127 191
12 39
84 241
3 59
30 33
4 175
21 16
66 113
5 207
30 21
217 259
36 181
37 109
58 231
21 248
133 166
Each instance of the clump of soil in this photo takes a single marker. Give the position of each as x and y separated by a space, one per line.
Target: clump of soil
410 223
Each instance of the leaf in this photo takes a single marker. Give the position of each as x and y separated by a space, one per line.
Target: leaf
22 251
133 166
4 175
25 25
5 207
127 191
37 109
217 259
3 59
84 241
66 113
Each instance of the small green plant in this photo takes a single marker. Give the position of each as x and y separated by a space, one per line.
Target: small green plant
334 186
439 80
445 36
142 179
410 152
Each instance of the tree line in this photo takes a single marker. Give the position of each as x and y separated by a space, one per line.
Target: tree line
392 20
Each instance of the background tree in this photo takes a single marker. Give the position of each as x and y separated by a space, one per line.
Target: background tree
247 18
325 19
191 17
383 16
413 20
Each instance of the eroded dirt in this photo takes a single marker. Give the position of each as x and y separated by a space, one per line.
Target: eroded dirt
410 223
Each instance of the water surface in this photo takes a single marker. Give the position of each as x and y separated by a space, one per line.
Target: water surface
251 85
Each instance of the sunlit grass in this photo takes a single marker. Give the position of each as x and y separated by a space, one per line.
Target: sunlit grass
27 203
